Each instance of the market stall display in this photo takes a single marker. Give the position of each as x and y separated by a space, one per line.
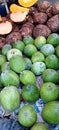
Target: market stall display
29 66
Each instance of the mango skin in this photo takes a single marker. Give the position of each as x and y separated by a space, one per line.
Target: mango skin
10 98
9 77
50 112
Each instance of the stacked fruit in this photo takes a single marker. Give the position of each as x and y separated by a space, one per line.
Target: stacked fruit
29 46
20 65
29 17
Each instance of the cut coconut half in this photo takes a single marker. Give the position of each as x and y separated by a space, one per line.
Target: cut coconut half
19 16
5 27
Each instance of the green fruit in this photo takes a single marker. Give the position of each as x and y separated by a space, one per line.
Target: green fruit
19 45
13 52
50 112
52 62
28 63
27 77
27 116
10 98
49 92
9 77
29 50
40 41
53 39
5 66
50 75
2 60
37 57
28 40
28 93
39 126
17 63
47 49
57 50
6 48
0 84
38 68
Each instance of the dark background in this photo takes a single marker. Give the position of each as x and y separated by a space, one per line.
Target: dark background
52 1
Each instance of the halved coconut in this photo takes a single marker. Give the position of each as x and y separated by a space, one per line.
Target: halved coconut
5 27
19 16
